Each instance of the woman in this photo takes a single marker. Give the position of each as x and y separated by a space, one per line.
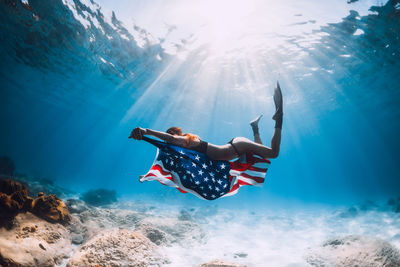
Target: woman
235 148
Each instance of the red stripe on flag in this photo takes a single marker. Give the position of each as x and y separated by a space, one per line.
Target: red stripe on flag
238 166
252 158
152 174
258 160
241 182
234 187
180 190
252 168
160 169
255 178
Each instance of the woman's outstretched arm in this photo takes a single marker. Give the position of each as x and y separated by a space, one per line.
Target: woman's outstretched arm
138 133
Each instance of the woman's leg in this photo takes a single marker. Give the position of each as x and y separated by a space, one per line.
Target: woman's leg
244 145
254 126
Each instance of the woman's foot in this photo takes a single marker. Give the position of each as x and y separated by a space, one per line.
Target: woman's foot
278 102
254 123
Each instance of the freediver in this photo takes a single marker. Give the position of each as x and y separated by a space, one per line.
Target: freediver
235 148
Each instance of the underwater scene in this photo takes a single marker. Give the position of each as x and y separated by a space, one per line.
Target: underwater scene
77 76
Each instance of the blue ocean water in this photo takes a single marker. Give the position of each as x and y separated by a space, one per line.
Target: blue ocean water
75 80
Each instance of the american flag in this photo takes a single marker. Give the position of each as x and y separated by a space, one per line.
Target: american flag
194 172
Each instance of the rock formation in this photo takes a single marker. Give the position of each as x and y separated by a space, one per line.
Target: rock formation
162 230
50 208
354 250
100 197
220 263
117 247
34 242
14 199
394 204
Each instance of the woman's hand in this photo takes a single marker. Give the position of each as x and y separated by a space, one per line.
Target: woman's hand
137 133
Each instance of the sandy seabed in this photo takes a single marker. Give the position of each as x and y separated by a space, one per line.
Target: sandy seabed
279 237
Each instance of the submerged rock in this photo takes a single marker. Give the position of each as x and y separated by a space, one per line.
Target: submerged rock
79 232
76 205
175 230
240 255
9 209
34 242
9 186
117 247
157 236
349 213
50 208
354 250
220 263
394 204
184 215
368 205
100 197
13 200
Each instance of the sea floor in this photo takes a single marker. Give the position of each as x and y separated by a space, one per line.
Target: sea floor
279 237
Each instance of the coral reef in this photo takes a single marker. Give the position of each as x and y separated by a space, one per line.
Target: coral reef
14 199
139 234
50 208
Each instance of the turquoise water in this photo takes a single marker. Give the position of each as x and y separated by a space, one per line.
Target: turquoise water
75 79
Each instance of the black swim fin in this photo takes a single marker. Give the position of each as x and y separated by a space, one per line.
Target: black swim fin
278 100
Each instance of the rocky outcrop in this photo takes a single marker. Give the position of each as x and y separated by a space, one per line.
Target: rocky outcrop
51 208
162 230
354 250
100 197
117 247
220 263
155 235
394 204
14 199
34 242
76 205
